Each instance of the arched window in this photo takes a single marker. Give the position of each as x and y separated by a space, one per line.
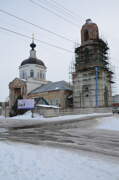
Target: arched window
86 35
23 75
31 73
41 75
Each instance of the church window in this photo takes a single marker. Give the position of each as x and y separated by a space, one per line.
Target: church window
86 35
31 73
38 75
44 75
86 89
57 101
41 75
23 75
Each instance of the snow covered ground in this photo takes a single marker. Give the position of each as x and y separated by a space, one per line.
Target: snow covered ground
28 116
110 123
2 117
30 162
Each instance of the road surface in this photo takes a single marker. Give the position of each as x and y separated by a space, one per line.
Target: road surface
78 135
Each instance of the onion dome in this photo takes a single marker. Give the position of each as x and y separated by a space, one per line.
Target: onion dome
33 59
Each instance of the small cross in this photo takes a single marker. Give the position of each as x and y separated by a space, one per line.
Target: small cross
33 38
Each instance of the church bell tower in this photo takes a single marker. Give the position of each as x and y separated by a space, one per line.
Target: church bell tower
92 77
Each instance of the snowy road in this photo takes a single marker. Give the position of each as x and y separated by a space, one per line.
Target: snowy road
82 136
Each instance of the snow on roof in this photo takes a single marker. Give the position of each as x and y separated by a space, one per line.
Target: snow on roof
48 106
56 88
24 80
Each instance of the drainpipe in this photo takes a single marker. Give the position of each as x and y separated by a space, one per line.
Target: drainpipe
97 88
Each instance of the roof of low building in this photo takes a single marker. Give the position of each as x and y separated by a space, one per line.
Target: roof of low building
52 86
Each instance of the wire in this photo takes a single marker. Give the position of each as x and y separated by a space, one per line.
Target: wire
66 10
28 37
49 10
58 7
37 26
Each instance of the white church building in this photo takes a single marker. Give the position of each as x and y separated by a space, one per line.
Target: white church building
33 70
32 83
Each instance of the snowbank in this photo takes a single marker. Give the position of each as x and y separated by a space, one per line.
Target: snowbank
109 123
2 117
79 116
27 120
28 116
48 106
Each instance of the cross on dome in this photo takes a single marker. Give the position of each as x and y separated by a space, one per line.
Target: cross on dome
33 45
32 37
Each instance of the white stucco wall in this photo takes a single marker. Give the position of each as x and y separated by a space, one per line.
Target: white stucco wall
37 80
39 72
33 84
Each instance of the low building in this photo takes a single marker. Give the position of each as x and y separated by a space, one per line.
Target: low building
55 93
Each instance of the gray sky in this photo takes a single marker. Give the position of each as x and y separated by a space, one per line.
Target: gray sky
14 49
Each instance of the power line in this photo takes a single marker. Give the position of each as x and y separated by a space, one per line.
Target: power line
68 11
52 12
35 25
58 7
28 37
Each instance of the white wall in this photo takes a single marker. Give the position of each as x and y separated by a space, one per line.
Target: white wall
37 80
37 70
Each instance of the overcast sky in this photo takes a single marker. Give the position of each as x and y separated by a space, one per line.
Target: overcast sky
14 49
